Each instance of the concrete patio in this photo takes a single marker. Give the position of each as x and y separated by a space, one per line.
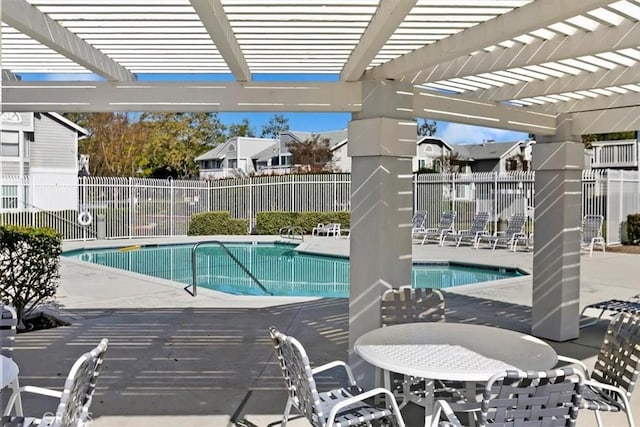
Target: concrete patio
178 360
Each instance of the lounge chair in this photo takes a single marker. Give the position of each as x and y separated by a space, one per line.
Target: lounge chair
417 227
75 398
591 233
344 406
617 368
632 305
519 398
445 227
478 228
331 229
509 236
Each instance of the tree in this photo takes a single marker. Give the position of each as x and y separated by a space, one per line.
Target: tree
313 152
517 162
446 163
174 140
613 136
275 126
241 129
427 128
114 143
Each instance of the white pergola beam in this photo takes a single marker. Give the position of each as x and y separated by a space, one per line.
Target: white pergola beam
605 121
214 19
388 17
631 99
531 17
584 81
30 21
179 96
607 39
438 106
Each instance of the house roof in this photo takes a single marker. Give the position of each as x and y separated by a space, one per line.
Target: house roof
485 151
79 129
215 153
434 140
267 153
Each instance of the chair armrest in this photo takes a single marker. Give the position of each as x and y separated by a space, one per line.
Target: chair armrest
335 364
603 386
575 362
443 407
430 230
361 397
30 389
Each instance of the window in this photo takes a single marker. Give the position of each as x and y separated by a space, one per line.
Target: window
29 138
9 144
9 197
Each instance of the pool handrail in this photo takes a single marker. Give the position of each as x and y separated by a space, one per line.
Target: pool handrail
292 232
194 280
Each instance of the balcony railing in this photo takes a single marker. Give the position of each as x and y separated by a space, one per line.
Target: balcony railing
615 154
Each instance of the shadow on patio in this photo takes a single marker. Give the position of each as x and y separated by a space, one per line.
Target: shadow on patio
212 361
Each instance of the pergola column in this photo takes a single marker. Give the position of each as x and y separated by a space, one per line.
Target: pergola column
382 142
558 161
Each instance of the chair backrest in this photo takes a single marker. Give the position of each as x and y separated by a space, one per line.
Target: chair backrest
79 387
532 398
8 325
516 224
407 305
298 377
332 227
447 220
591 227
618 362
479 222
419 218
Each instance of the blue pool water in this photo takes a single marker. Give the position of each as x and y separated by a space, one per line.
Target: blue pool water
281 269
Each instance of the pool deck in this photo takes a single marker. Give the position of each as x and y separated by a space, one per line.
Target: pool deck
178 360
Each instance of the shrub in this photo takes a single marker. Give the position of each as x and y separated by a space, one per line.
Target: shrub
210 223
29 267
272 222
633 228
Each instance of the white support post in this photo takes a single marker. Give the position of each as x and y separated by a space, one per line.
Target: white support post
382 142
558 162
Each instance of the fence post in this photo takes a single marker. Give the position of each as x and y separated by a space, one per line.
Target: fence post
495 202
415 193
131 206
209 195
335 192
171 207
250 206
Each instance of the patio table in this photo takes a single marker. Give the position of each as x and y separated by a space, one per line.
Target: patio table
452 351
9 377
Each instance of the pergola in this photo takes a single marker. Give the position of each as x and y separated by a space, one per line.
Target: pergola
557 69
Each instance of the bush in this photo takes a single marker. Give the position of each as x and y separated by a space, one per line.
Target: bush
211 223
633 228
29 266
271 222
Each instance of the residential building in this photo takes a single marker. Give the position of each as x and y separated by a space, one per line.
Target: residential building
38 148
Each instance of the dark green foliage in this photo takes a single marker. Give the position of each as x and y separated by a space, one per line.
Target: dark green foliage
271 222
29 266
633 228
215 223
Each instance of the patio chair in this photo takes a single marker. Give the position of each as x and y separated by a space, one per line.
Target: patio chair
409 305
509 236
478 228
331 229
8 329
519 398
445 227
417 227
343 406
591 233
614 375
75 398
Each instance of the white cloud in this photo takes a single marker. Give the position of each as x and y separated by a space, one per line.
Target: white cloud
455 133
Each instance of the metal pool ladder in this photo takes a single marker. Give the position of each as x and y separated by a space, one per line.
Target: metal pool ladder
194 278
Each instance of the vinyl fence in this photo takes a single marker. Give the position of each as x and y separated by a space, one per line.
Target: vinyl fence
99 207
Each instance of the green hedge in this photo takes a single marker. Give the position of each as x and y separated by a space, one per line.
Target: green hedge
270 223
29 266
633 228
213 223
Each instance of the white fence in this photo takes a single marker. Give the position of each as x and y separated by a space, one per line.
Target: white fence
135 207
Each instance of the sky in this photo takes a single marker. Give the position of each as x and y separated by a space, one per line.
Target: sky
452 133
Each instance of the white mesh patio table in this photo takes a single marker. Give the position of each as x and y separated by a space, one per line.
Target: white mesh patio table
452 351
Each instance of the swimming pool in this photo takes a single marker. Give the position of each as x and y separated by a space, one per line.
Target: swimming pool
279 267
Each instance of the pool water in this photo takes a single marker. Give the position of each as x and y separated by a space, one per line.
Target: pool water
281 270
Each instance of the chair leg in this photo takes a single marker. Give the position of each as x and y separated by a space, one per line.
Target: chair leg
287 410
15 390
598 418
